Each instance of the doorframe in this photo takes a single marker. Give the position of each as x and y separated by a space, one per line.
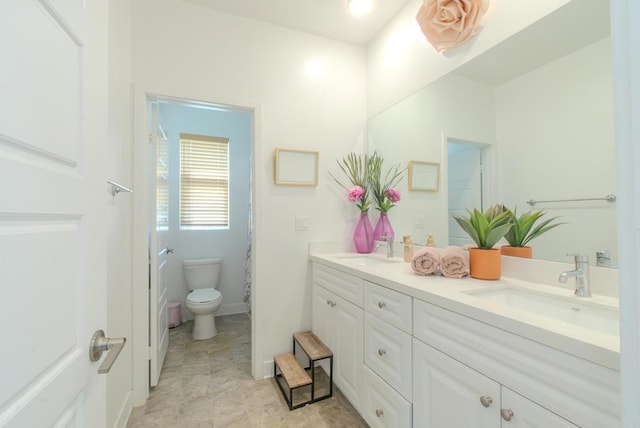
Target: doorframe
489 178
140 296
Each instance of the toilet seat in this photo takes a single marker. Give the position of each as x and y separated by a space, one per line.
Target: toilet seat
204 295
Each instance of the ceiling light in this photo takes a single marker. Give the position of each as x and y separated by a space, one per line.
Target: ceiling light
360 7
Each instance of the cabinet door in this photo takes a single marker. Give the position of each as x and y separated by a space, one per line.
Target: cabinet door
446 393
322 320
524 413
348 348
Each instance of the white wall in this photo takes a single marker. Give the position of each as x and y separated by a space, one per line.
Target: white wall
119 250
184 50
401 61
413 130
556 141
229 243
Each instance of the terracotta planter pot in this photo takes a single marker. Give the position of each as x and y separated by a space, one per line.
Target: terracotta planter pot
524 252
485 263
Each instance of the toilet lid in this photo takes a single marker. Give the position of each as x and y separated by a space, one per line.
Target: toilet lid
204 295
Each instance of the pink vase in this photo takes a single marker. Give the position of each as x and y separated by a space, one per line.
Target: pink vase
383 228
363 234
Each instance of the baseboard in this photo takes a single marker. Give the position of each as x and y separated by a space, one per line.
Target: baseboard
125 411
268 369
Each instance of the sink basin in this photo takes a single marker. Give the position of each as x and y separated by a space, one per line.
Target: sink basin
368 259
567 309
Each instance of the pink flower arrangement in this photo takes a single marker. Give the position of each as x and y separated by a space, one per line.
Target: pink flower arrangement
383 184
393 195
355 193
357 168
449 23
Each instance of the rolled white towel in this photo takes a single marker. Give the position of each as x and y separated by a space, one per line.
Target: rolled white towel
454 262
426 261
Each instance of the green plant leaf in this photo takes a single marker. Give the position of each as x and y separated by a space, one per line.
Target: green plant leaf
487 228
523 229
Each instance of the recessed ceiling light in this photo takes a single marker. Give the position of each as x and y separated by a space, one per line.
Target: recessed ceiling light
360 7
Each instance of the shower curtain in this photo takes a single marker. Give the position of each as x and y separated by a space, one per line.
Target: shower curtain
247 266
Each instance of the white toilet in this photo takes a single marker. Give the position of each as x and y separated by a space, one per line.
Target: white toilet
202 276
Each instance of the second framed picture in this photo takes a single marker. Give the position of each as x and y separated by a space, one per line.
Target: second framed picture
424 176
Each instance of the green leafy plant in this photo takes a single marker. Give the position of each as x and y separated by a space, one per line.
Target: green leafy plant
487 228
523 229
384 189
357 168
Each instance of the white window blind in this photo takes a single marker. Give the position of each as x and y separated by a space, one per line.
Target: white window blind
204 180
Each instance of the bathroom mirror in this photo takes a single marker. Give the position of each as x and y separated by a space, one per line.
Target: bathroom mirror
530 119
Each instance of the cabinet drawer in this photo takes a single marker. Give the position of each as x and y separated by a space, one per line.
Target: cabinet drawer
387 351
389 305
382 406
344 285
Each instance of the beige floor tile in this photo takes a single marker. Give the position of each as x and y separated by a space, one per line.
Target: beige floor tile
208 383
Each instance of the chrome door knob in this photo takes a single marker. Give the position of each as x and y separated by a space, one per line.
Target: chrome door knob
99 343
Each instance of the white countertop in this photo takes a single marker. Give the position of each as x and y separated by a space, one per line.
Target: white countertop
450 294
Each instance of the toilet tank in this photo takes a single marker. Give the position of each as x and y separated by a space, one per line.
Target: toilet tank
202 273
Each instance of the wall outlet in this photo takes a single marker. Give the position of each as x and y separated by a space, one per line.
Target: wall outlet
302 223
419 222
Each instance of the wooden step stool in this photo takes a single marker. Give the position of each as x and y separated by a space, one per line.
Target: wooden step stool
295 376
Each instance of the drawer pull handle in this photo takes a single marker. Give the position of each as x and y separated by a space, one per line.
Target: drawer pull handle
330 303
379 413
382 305
506 414
486 400
381 352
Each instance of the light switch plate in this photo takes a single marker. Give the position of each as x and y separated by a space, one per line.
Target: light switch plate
302 223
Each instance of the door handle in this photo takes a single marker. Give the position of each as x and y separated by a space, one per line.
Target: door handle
99 344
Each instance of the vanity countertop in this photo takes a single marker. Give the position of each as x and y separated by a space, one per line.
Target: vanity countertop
450 294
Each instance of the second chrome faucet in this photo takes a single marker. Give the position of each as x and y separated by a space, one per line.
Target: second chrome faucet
581 274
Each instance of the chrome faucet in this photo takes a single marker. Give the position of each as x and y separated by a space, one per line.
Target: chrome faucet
603 258
388 243
581 274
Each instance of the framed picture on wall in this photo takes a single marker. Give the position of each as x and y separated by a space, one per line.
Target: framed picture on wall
296 167
424 176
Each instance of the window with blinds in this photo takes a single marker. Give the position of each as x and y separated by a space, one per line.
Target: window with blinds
204 181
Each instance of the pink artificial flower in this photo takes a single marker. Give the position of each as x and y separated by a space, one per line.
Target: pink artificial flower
449 23
393 194
355 193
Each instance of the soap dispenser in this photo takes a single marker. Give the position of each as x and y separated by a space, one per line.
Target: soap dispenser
430 242
408 248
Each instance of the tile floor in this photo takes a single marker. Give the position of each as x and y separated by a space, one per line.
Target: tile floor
208 384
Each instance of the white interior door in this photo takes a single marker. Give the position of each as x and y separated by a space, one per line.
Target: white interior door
464 180
53 127
158 246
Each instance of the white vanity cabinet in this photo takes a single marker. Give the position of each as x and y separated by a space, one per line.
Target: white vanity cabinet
404 362
542 386
338 322
449 394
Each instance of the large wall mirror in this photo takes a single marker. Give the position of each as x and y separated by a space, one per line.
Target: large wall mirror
531 118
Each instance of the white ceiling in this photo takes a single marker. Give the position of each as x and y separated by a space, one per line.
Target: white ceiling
327 18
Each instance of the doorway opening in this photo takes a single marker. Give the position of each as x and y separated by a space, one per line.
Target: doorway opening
467 183
171 235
